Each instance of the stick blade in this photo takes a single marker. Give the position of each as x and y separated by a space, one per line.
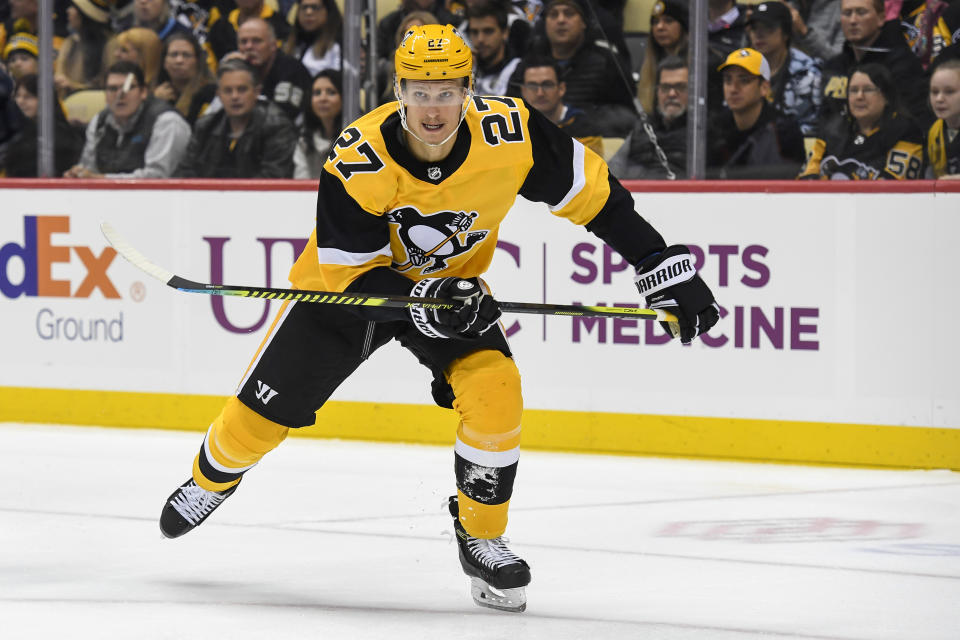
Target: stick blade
133 256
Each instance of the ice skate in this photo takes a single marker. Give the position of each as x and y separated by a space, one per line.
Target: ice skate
497 575
188 506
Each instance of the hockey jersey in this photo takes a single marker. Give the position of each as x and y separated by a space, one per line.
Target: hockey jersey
386 219
943 152
893 151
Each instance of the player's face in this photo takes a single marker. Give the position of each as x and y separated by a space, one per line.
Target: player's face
325 100
945 95
433 107
256 44
672 93
767 39
741 89
181 61
123 104
238 93
26 101
564 25
541 89
859 20
666 31
488 39
865 99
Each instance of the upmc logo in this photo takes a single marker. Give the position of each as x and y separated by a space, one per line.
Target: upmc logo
38 255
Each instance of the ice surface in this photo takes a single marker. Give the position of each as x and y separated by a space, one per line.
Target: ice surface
329 539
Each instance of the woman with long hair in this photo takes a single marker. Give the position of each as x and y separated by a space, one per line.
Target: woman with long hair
315 39
322 121
21 157
876 139
79 64
142 47
668 37
185 80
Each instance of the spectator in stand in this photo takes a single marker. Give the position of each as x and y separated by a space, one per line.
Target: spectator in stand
23 19
11 120
157 16
80 63
795 76
315 39
637 158
281 78
519 29
20 55
248 138
869 39
816 27
669 23
874 139
943 143
185 80
488 33
543 90
726 27
322 121
386 65
21 159
929 27
136 136
389 24
141 47
222 37
595 81
749 139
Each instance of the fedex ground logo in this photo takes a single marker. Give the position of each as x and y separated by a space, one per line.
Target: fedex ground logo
27 267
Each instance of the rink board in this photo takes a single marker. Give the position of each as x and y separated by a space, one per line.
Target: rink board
837 342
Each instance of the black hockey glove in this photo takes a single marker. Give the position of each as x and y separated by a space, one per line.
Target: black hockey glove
478 312
669 281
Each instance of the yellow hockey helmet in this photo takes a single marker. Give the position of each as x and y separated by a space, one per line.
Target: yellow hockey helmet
434 52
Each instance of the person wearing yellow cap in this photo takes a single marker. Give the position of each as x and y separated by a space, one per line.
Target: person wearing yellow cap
20 55
749 139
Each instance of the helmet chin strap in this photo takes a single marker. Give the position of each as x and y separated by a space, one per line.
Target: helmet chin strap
403 116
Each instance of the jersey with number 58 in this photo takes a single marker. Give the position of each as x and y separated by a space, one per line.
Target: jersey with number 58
386 219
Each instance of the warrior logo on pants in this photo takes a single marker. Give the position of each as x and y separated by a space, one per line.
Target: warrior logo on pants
430 240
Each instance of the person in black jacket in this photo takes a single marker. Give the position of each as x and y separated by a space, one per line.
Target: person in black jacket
21 159
870 40
248 138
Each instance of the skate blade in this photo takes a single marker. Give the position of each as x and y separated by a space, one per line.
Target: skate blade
514 600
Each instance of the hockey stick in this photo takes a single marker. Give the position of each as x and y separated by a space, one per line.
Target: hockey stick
140 261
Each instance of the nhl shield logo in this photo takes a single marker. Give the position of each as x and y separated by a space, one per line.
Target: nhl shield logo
432 239
434 173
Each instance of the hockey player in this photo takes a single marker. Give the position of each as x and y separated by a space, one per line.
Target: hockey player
943 143
409 202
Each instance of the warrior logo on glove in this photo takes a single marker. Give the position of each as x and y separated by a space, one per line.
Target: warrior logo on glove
669 281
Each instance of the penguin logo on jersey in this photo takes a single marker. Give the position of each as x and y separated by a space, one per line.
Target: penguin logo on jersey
430 240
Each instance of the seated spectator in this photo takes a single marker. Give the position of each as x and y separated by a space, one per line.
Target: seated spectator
816 27
929 27
795 76
594 79
21 159
388 25
875 141
23 18
869 39
669 22
20 55
726 27
315 39
543 90
157 16
141 47
749 139
185 80
11 120
488 33
637 158
943 143
519 28
281 78
322 121
80 63
247 138
136 136
222 37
